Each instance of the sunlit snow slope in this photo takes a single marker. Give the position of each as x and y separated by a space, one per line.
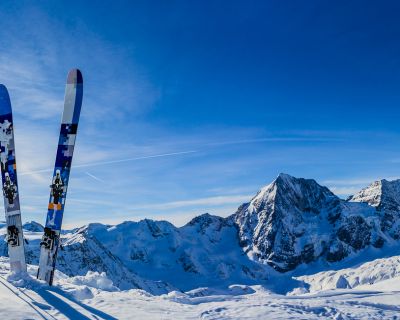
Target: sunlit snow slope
95 297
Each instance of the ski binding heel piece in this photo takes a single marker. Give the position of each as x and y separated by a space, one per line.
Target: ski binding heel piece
12 236
48 238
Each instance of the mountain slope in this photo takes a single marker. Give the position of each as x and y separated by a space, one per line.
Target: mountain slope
203 252
294 221
385 197
155 255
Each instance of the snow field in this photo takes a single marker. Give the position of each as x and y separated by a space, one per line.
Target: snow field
95 297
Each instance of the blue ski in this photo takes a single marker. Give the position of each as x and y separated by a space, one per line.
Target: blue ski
69 125
15 238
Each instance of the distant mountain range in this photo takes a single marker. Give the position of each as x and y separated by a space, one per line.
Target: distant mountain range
289 222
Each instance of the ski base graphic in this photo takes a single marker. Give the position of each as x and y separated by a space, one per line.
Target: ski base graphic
15 237
58 188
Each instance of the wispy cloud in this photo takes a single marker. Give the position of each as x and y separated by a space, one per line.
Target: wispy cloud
346 187
177 212
278 139
358 181
198 203
210 201
351 181
344 191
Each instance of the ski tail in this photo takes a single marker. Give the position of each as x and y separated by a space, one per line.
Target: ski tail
15 237
59 185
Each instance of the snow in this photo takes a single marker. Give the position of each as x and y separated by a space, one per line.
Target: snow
371 195
95 280
93 296
367 273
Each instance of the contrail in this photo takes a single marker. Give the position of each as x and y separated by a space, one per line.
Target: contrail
114 161
212 144
94 177
134 159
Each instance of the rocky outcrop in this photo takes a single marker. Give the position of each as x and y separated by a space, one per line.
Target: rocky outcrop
294 221
385 197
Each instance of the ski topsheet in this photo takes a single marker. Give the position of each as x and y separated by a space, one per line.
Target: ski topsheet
15 237
69 125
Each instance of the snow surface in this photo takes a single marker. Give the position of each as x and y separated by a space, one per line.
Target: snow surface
95 297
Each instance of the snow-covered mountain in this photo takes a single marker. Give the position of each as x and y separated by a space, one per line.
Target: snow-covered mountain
385 197
290 222
294 221
203 252
155 255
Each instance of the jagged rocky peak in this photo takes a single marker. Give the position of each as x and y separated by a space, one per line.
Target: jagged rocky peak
385 197
292 194
206 222
280 224
205 219
380 193
371 194
158 228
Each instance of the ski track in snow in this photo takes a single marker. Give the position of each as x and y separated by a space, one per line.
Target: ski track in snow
254 306
44 304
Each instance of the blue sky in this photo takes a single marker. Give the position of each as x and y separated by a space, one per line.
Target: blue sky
192 106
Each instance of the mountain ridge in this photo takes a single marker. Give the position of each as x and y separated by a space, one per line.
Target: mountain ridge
288 223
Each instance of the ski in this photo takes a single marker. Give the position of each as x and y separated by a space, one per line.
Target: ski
58 188
15 237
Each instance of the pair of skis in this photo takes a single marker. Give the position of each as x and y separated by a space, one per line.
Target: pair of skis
51 238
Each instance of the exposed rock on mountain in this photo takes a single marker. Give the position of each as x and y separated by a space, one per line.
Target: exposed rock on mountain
290 222
202 252
385 197
294 221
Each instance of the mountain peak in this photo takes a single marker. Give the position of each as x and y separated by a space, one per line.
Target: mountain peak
379 193
287 179
383 195
278 215
206 222
285 176
205 218
288 188
33 226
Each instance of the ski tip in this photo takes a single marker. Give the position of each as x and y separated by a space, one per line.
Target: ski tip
3 88
75 77
3 92
5 104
